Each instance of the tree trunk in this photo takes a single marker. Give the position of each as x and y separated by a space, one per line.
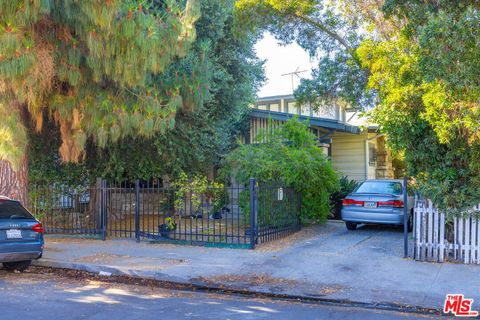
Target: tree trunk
14 184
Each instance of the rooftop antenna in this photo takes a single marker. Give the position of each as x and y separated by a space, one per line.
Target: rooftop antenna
294 73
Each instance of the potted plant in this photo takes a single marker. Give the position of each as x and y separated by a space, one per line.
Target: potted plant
165 229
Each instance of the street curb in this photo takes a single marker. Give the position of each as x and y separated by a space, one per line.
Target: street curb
182 284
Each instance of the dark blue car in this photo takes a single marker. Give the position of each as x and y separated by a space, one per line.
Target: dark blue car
21 236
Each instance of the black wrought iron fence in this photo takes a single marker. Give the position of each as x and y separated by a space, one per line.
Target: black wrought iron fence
278 211
67 210
234 216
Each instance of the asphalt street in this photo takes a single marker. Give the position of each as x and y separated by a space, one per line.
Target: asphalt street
52 296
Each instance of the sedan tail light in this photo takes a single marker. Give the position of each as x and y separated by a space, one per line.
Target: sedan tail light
351 202
38 228
391 203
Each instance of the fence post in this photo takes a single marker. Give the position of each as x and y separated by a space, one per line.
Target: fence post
299 208
415 226
253 212
137 210
103 206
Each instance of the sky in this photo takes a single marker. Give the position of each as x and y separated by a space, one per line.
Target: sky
281 60
285 59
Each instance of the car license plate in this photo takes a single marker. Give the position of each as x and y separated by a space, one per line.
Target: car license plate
14 234
369 204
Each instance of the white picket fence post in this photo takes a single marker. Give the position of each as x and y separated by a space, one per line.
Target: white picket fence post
430 238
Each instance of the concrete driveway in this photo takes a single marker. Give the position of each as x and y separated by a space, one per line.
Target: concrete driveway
327 262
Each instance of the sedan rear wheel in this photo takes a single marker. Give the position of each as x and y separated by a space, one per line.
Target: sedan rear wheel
351 225
18 265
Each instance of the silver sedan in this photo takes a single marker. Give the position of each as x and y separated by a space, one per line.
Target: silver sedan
377 202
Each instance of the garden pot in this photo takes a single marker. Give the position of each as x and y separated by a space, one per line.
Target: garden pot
166 230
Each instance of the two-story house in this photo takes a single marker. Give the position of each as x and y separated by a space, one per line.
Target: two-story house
356 152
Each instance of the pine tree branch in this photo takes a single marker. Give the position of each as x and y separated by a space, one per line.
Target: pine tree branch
323 28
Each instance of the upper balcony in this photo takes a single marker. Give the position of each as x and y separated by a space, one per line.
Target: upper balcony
331 117
287 104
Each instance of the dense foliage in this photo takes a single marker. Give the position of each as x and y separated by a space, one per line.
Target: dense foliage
346 187
99 70
288 154
426 72
325 32
420 62
201 135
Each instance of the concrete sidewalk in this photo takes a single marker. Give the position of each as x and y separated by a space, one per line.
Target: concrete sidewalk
364 266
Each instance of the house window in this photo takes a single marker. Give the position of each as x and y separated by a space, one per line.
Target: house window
262 107
372 154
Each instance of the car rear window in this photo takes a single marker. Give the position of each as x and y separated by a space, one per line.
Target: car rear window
388 187
13 210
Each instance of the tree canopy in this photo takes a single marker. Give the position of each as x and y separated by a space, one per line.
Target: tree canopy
325 32
414 67
426 74
99 70
202 135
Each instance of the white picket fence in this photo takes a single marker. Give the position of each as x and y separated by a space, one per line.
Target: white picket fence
431 240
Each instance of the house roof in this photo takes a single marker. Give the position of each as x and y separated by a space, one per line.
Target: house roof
278 97
315 121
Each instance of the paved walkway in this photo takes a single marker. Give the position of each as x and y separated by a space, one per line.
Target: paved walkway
327 261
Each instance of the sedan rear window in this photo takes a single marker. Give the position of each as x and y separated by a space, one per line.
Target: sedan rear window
13 210
381 187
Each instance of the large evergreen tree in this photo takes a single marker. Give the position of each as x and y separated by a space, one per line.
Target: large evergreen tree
98 69
201 136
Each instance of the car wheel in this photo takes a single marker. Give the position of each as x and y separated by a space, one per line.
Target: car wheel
410 222
19 265
351 225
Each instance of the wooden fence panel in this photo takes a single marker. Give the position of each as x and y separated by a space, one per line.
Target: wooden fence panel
442 240
466 247
435 231
473 236
430 231
460 239
418 211
431 243
424 234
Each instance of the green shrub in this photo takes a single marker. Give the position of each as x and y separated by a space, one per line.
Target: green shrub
289 155
193 191
346 186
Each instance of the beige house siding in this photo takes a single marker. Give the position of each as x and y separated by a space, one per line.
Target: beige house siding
348 155
351 157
